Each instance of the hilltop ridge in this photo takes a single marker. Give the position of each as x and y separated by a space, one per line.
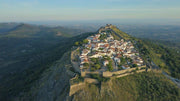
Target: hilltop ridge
99 80
101 52
109 71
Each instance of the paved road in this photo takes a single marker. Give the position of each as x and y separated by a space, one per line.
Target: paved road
175 80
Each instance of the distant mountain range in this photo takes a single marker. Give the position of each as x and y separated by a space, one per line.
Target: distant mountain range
153 32
27 30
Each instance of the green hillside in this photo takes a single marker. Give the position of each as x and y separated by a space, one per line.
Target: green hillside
146 86
137 87
163 55
5 27
34 68
34 31
24 58
119 33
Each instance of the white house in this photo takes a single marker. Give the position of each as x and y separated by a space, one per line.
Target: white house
117 60
105 62
125 67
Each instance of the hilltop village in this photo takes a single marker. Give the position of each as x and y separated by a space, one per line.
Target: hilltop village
101 52
103 56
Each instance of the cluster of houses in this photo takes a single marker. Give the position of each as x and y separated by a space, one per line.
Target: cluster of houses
115 49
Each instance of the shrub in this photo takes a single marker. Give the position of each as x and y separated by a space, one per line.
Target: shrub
76 43
134 65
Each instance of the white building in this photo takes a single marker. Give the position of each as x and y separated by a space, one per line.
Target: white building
105 62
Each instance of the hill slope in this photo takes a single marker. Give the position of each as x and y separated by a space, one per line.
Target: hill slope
52 83
27 31
49 71
155 32
26 51
151 86
164 56
138 87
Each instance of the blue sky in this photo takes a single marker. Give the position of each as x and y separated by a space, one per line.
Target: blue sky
43 10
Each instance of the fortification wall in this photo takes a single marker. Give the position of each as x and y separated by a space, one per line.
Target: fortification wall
90 80
143 70
75 76
122 75
138 71
76 87
84 73
109 74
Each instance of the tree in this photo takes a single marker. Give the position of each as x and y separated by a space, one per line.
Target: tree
103 36
134 65
101 48
97 66
86 64
77 43
85 41
120 67
93 59
110 67
123 60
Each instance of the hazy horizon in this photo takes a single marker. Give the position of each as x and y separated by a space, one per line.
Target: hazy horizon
102 22
103 11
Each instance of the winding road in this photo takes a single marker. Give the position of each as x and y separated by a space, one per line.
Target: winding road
175 80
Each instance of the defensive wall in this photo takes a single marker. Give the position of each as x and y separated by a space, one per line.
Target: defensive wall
78 86
110 74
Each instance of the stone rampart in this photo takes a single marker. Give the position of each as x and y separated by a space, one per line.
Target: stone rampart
76 87
90 80
84 73
110 74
